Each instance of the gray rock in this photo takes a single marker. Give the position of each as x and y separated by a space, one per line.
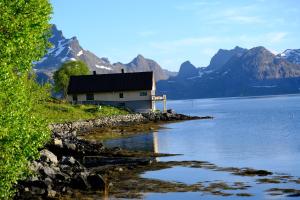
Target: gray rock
48 171
38 190
68 160
48 156
48 181
171 111
70 146
58 142
35 166
51 193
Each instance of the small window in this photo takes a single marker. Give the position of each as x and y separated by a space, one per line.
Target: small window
90 97
143 93
121 95
75 98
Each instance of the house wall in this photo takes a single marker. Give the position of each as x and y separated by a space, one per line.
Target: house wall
114 96
137 106
132 99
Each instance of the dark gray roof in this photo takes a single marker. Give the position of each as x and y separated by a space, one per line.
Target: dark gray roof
110 82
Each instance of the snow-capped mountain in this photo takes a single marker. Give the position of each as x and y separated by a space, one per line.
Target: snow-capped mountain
63 50
292 55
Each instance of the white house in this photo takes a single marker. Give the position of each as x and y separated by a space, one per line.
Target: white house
135 91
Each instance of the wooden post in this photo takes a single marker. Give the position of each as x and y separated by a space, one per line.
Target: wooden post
165 103
153 103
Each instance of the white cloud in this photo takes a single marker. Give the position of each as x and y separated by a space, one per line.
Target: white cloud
241 15
276 36
265 39
245 19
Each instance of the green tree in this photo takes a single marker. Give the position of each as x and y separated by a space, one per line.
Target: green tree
62 76
24 32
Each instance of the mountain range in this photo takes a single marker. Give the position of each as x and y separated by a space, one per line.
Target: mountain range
63 50
235 72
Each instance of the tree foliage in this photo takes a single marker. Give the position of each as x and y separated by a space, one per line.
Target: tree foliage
62 76
24 31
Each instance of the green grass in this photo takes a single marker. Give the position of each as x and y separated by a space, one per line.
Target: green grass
56 111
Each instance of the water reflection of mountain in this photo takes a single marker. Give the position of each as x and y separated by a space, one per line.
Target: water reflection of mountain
144 142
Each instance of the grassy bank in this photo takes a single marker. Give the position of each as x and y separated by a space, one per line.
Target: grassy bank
56 111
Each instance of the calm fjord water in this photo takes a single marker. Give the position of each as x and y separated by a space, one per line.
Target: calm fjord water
261 133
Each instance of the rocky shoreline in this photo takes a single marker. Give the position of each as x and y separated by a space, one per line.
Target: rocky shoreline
121 120
69 163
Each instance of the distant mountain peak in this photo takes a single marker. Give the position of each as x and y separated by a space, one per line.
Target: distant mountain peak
55 30
259 63
138 60
260 52
260 49
187 63
187 70
139 56
140 63
64 49
291 55
223 56
238 48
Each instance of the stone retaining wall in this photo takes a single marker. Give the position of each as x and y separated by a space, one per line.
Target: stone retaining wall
85 125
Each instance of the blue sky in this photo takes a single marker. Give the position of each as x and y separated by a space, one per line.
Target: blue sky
173 31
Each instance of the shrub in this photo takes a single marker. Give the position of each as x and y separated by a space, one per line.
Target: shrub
24 32
62 76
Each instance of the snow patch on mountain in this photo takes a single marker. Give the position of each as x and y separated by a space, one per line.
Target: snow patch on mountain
80 53
291 55
64 59
58 50
103 67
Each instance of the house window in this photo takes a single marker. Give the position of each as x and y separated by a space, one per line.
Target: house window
90 97
143 93
121 95
75 98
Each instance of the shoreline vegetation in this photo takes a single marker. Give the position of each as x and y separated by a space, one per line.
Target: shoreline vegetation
24 34
59 111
